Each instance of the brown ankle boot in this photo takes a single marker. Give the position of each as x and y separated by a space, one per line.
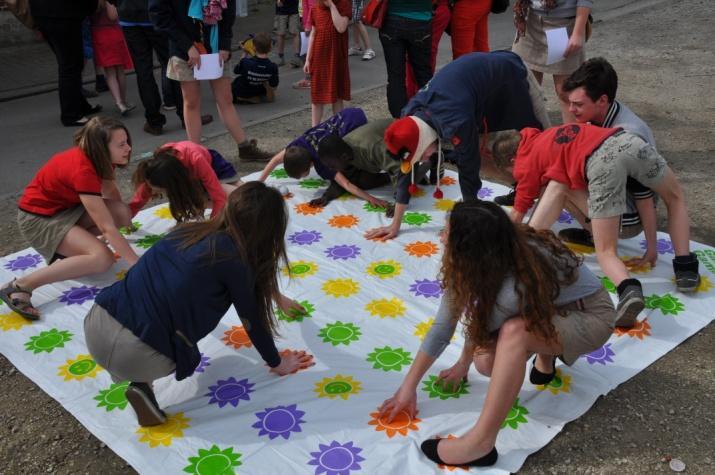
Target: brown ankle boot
248 151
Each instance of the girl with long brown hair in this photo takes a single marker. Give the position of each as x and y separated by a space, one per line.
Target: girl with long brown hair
71 200
517 292
148 325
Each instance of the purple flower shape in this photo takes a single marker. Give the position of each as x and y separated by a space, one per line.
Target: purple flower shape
601 356
304 238
203 363
24 262
79 295
485 192
343 251
427 288
229 391
336 458
279 421
565 217
663 246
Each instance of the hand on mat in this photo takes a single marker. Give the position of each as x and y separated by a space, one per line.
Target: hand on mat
290 307
383 233
405 399
293 361
378 202
452 377
318 202
650 257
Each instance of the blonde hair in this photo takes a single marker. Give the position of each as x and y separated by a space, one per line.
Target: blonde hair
93 139
504 148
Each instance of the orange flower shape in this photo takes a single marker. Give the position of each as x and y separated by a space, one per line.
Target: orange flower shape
640 330
401 424
343 221
422 249
288 196
237 337
451 468
447 181
305 208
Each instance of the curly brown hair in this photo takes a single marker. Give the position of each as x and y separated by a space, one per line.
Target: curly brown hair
483 248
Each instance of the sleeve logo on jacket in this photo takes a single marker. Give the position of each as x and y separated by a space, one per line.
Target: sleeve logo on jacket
566 134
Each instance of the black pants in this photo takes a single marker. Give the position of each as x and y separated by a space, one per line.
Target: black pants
143 41
360 178
402 39
64 35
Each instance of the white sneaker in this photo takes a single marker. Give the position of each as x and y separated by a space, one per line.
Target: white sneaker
353 51
369 54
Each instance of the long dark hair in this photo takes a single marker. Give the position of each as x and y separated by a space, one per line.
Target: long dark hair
93 139
164 170
255 217
483 248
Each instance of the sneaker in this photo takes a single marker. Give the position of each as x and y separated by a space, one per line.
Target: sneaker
250 152
506 200
630 304
141 397
576 236
369 54
355 51
153 129
687 275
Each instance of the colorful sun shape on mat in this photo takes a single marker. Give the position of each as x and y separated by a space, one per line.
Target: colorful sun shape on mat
237 337
134 227
608 284
343 221
560 384
339 333
602 356
164 434
279 421
565 217
385 308
12 321
444 204
297 316
20 263
164 213
307 209
113 397
663 246
300 269
203 363
341 287
346 197
414 218
422 249
389 359
705 284
427 288
82 366
447 181
79 295
633 268
640 330
312 183
48 340
214 461
484 193
279 174
667 304
384 269
435 388
336 458
401 424
305 238
422 328
516 416
451 468
342 251
706 258
149 240
229 391
580 248
339 386
371 208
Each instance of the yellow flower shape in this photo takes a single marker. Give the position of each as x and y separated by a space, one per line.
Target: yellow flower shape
444 204
580 249
636 269
164 213
83 366
384 269
386 308
339 386
560 384
300 269
341 287
165 433
422 328
12 321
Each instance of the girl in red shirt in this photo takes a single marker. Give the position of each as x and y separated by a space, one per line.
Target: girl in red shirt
71 200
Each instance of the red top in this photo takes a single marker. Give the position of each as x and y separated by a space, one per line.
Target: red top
558 154
59 183
197 160
329 69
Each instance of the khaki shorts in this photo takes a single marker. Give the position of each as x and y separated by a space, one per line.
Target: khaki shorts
538 101
533 49
45 233
620 156
179 70
287 23
586 327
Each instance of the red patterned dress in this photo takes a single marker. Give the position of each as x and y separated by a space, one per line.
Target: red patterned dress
329 71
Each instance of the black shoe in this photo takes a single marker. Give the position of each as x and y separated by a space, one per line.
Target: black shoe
429 448
141 397
95 109
506 200
630 304
537 377
687 275
577 236
153 129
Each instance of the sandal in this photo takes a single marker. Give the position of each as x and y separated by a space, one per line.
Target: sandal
17 305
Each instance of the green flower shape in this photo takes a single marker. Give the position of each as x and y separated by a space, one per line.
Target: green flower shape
149 240
339 333
667 304
608 284
279 173
113 397
515 416
416 219
296 316
48 341
214 461
435 388
311 183
370 208
389 359
126 230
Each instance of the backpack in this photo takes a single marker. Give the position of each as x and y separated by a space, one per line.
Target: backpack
21 10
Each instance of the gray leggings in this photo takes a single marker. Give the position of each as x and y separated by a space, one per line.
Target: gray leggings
120 352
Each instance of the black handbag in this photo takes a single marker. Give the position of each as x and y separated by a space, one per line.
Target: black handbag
499 6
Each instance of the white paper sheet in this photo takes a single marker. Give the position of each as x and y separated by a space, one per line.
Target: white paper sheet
211 67
557 40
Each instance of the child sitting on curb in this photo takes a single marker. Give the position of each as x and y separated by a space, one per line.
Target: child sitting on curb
257 75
